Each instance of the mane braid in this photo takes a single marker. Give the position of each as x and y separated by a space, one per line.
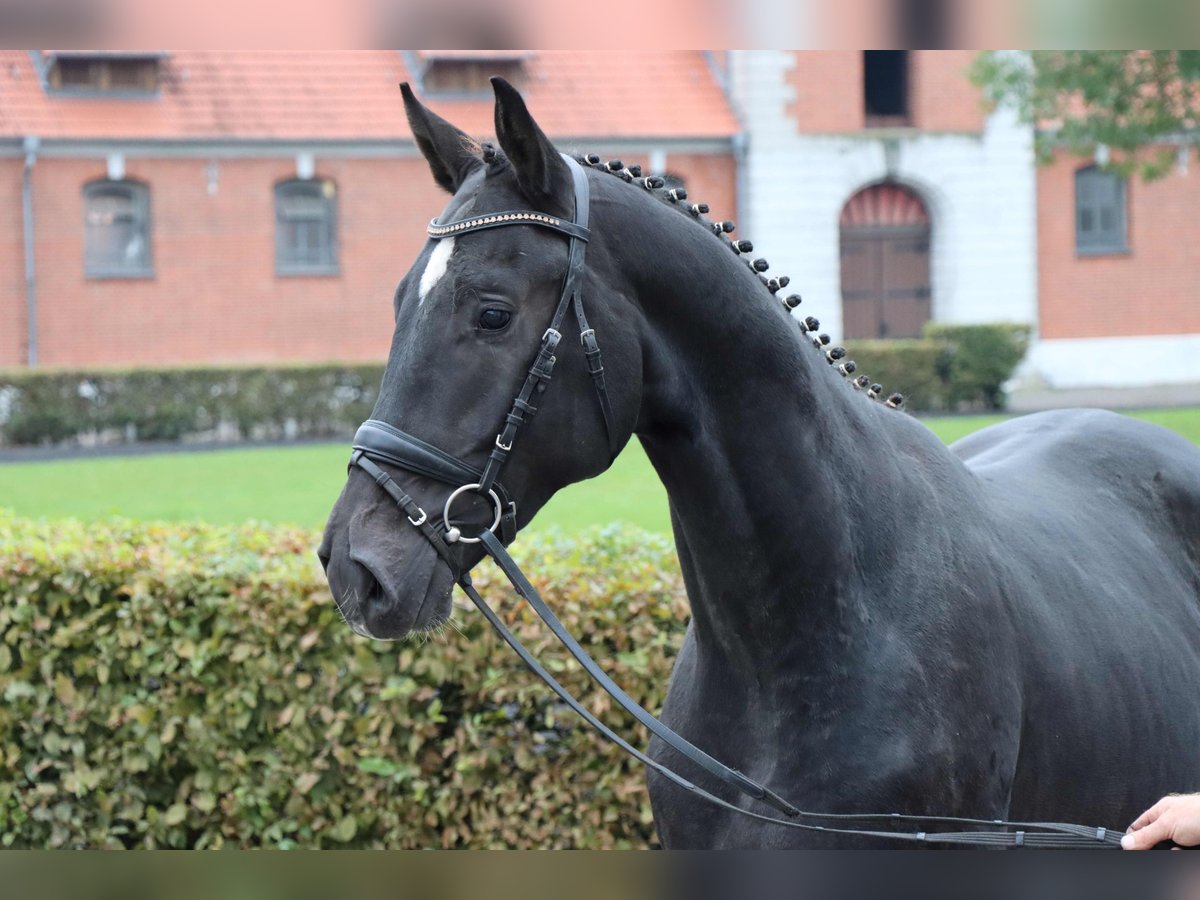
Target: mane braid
494 158
655 185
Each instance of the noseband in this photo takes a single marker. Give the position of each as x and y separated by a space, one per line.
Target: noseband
378 442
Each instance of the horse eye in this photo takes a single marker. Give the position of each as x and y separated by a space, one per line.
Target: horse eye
494 319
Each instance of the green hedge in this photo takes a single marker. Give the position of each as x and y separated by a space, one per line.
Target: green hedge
910 367
977 360
952 368
52 406
188 686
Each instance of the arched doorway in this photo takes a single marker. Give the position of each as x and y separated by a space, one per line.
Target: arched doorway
885 263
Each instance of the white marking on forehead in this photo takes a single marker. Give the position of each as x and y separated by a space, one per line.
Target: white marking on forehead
439 259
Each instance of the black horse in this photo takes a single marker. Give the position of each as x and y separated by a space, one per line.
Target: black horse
1007 628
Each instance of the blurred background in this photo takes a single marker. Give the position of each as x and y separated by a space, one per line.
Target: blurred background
201 246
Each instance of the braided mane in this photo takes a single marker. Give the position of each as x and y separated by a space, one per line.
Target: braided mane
656 186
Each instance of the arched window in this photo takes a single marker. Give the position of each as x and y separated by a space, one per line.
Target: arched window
116 229
1099 212
306 227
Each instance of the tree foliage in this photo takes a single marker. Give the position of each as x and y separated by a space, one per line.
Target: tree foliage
1141 105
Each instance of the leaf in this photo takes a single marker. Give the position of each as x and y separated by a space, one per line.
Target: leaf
175 814
64 690
241 653
136 762
19 689
345 830
204 801
378 766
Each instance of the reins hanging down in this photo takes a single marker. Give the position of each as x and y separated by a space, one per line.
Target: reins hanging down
378 442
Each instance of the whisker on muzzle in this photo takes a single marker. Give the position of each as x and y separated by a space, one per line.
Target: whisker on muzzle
349 595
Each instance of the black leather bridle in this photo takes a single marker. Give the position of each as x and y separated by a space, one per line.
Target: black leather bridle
378 442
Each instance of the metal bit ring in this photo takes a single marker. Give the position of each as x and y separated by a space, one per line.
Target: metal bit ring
453 534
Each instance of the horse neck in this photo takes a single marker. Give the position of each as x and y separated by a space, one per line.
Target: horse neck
787 486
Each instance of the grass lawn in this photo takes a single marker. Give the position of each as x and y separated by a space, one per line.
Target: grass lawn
297 485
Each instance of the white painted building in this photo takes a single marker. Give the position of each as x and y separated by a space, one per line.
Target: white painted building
978 187
880 184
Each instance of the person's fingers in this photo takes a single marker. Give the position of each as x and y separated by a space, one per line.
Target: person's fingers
1148 835
1150 815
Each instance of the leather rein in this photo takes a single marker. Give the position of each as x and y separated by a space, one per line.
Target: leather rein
378 442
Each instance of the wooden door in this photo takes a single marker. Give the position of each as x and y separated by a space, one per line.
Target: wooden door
885 282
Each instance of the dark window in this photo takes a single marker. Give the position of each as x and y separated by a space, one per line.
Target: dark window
923 24
467 73
1099 212
107 74
116 226
306 227
885 87
467 76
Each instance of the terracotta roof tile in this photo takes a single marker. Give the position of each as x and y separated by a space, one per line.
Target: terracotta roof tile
353 96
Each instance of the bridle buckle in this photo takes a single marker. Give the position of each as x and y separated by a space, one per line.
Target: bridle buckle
501 445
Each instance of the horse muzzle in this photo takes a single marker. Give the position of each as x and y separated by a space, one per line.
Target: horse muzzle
385 583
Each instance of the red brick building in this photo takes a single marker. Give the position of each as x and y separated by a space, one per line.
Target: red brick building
256 207
1118 276
880 178
879 182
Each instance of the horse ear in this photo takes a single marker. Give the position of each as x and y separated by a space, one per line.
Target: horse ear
539 168
448 150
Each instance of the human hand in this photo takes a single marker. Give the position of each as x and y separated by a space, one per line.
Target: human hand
1173 818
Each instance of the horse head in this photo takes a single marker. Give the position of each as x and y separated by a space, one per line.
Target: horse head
471 317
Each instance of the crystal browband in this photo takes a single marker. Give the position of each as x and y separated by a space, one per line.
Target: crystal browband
496 220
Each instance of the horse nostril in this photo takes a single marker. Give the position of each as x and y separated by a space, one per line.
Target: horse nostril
372 589
362 585
358 580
